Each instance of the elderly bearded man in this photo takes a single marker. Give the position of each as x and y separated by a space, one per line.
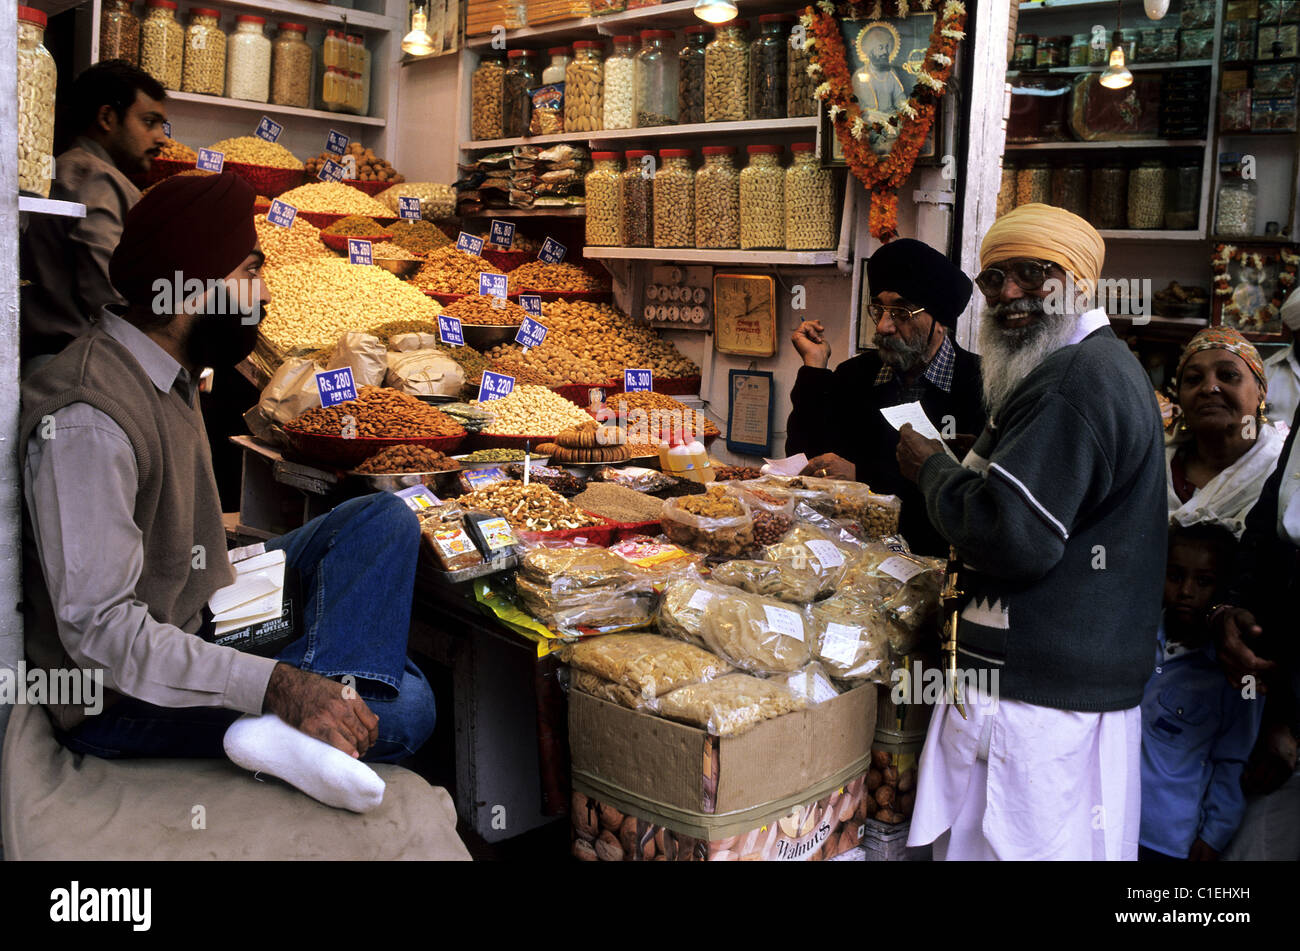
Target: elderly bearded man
1058 518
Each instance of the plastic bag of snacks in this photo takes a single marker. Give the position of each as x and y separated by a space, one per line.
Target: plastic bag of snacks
649 664
634 477
715 523
771 508
769 579
608 690
681 609
853 639
809 548
906 586
811 684
436 200
758 635
656 561
729 705
625 607
560 569
876 514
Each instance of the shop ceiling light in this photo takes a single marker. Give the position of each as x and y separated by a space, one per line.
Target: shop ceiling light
1116 75
418 42
715 11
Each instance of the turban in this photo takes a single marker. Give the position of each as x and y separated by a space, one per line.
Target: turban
198 225
1047 233
1225 338
922 276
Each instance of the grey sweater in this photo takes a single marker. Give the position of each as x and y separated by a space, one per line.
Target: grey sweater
1060 519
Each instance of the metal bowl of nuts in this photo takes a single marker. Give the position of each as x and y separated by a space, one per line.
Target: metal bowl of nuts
483 337
394 481
347 452
402 269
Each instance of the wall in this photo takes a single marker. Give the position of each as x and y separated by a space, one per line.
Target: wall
426 145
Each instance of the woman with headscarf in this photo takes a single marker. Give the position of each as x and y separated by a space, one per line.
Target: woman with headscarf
1224 449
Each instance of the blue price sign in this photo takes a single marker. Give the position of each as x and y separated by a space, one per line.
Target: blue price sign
531 303
531 333
359 251
503 233
449 331
552 251
638 381
269 129
336 142
210 161
281 214
336 386
469 243
167 128
408 208
494 386
331 171
492 285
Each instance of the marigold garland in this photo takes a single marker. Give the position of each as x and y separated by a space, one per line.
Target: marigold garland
882 176
1288 267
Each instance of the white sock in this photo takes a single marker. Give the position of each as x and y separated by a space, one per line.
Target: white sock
267 744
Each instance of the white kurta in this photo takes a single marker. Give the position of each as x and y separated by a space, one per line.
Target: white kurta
1021 782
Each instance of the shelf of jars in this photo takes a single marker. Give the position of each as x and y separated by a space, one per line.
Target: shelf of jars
267 109
702 129
715 256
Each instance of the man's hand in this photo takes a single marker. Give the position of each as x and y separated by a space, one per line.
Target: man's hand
810 341
830 466
913 450
321 708
1202 852
1231 628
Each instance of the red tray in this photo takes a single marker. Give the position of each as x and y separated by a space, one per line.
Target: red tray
346 453
506 261
370 188
323 219
266 179
161 168
339 242
601 535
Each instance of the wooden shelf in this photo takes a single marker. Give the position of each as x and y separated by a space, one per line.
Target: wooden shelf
572 211
275 10
48 206
1121 144
1135 234
714 256
1133 67
711 129
1253 239
265 108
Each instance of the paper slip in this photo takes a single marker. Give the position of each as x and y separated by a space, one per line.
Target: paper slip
912 413
700 599
784 621
840 645
790 466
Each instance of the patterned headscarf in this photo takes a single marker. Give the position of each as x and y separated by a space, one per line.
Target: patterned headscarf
1225 338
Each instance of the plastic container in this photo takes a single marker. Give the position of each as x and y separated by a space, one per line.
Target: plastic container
762 199
37 77
1108 196
362 55
334 50
690 75
1070 188
620 85
717 199
487 97
356 53
1146 195
248 60
291 66
356 94
603 184
636 202
119 32
809 202
767 67
799 86
657 69
674 200
334 92
205 53
162 43
726 74
560 58
584 86
1183 196
523 73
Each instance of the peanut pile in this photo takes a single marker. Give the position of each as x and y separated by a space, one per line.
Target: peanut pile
378 412
335 199
254 150
451 271
551 364
478 309
539 276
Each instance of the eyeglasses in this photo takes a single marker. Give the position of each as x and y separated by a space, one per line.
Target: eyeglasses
1029 275
899 315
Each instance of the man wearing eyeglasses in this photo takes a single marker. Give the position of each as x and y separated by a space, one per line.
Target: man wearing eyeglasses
917 295
1059 521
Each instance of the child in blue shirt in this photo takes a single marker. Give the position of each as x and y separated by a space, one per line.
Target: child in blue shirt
1197 729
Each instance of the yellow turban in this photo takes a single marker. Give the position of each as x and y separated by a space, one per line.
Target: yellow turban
1048 233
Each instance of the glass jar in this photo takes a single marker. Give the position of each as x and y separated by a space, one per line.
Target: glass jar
584 86
487 97
162 43
690 75
656 80
334 89
334 51
1026 51
762 199
37 77
291 66
1146 195
1183 196
205 53
620 85
767 67
809 202
799 86
1044 52
717 199
560 57
674 200
726 74
248 60
1128 39
119 32
1234 206
1070 188
1080 49
603 185
636 203
1034 183
1007 190
1108 196
522 74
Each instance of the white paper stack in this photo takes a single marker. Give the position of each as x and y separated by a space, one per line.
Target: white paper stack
256 596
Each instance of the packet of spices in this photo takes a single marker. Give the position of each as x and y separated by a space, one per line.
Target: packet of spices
452 546
548 110
472 479
491 533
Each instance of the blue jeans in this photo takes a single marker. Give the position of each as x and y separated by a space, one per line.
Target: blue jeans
357 566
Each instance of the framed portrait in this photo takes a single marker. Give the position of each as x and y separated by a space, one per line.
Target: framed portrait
1251 281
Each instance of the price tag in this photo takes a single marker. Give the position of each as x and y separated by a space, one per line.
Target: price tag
840 645
167 128
336 386
269 129
531 333
784 621
469 243
900 568
700 599
359 251
336 142
552 251
331 171
281 214
408 208
827 553
531 303
492 285
494 386
449 331
638 381
210 161
503 233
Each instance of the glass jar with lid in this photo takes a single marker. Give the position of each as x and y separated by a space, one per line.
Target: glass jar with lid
334 51
1183 196
291 66
726 74
248 60
767 66
1034 183
584 88
603 185
1070 188
717 199
1146 195
119 32
1025 54
162 43
37 77
620 84
636 204
1108 196
656 80
1080 49
690 78
1235 200
674 200
487 96
205 53
1007 189
809 201
799 86
523 73
554 73
762 199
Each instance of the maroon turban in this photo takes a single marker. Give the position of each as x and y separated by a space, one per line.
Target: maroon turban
198 225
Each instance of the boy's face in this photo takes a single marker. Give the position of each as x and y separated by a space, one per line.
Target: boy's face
1191 583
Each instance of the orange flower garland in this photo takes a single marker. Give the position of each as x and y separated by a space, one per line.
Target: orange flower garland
882 176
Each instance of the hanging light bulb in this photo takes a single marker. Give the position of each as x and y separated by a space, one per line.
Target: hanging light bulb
1116 75
418 42
715 11
1155 9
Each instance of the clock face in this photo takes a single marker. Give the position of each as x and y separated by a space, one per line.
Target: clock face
744 314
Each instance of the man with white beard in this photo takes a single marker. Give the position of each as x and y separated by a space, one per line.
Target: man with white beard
1058 519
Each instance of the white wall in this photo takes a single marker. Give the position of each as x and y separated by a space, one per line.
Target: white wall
426 145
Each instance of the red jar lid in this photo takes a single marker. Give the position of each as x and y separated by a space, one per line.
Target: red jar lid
164 4
699 28
764 149
32 15
674 153
205 12
558 51
625 39
743 24
605 156
588 45
656 34
803 147
719 150
638 153
333 32
292 26
516 54
776 18
246 18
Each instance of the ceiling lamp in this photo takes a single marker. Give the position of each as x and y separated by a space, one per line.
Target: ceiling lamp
715 11
1155 9
1116 75
418 42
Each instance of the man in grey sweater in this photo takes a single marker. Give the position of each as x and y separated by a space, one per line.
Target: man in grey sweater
1058 518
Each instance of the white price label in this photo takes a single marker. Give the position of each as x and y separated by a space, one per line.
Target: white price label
900 568
700 599
827 553
784 621
840 645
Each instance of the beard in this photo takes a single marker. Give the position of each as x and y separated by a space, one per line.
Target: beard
223 340
1009 354
901 355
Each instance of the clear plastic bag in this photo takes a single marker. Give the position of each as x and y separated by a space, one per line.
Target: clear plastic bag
614 607
614 693
649 664
681 609
771 508
729 705
769 579
758 635
811 684
690 521
634 477
560 569
905 586
659 562
852 639
809 548
876 515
